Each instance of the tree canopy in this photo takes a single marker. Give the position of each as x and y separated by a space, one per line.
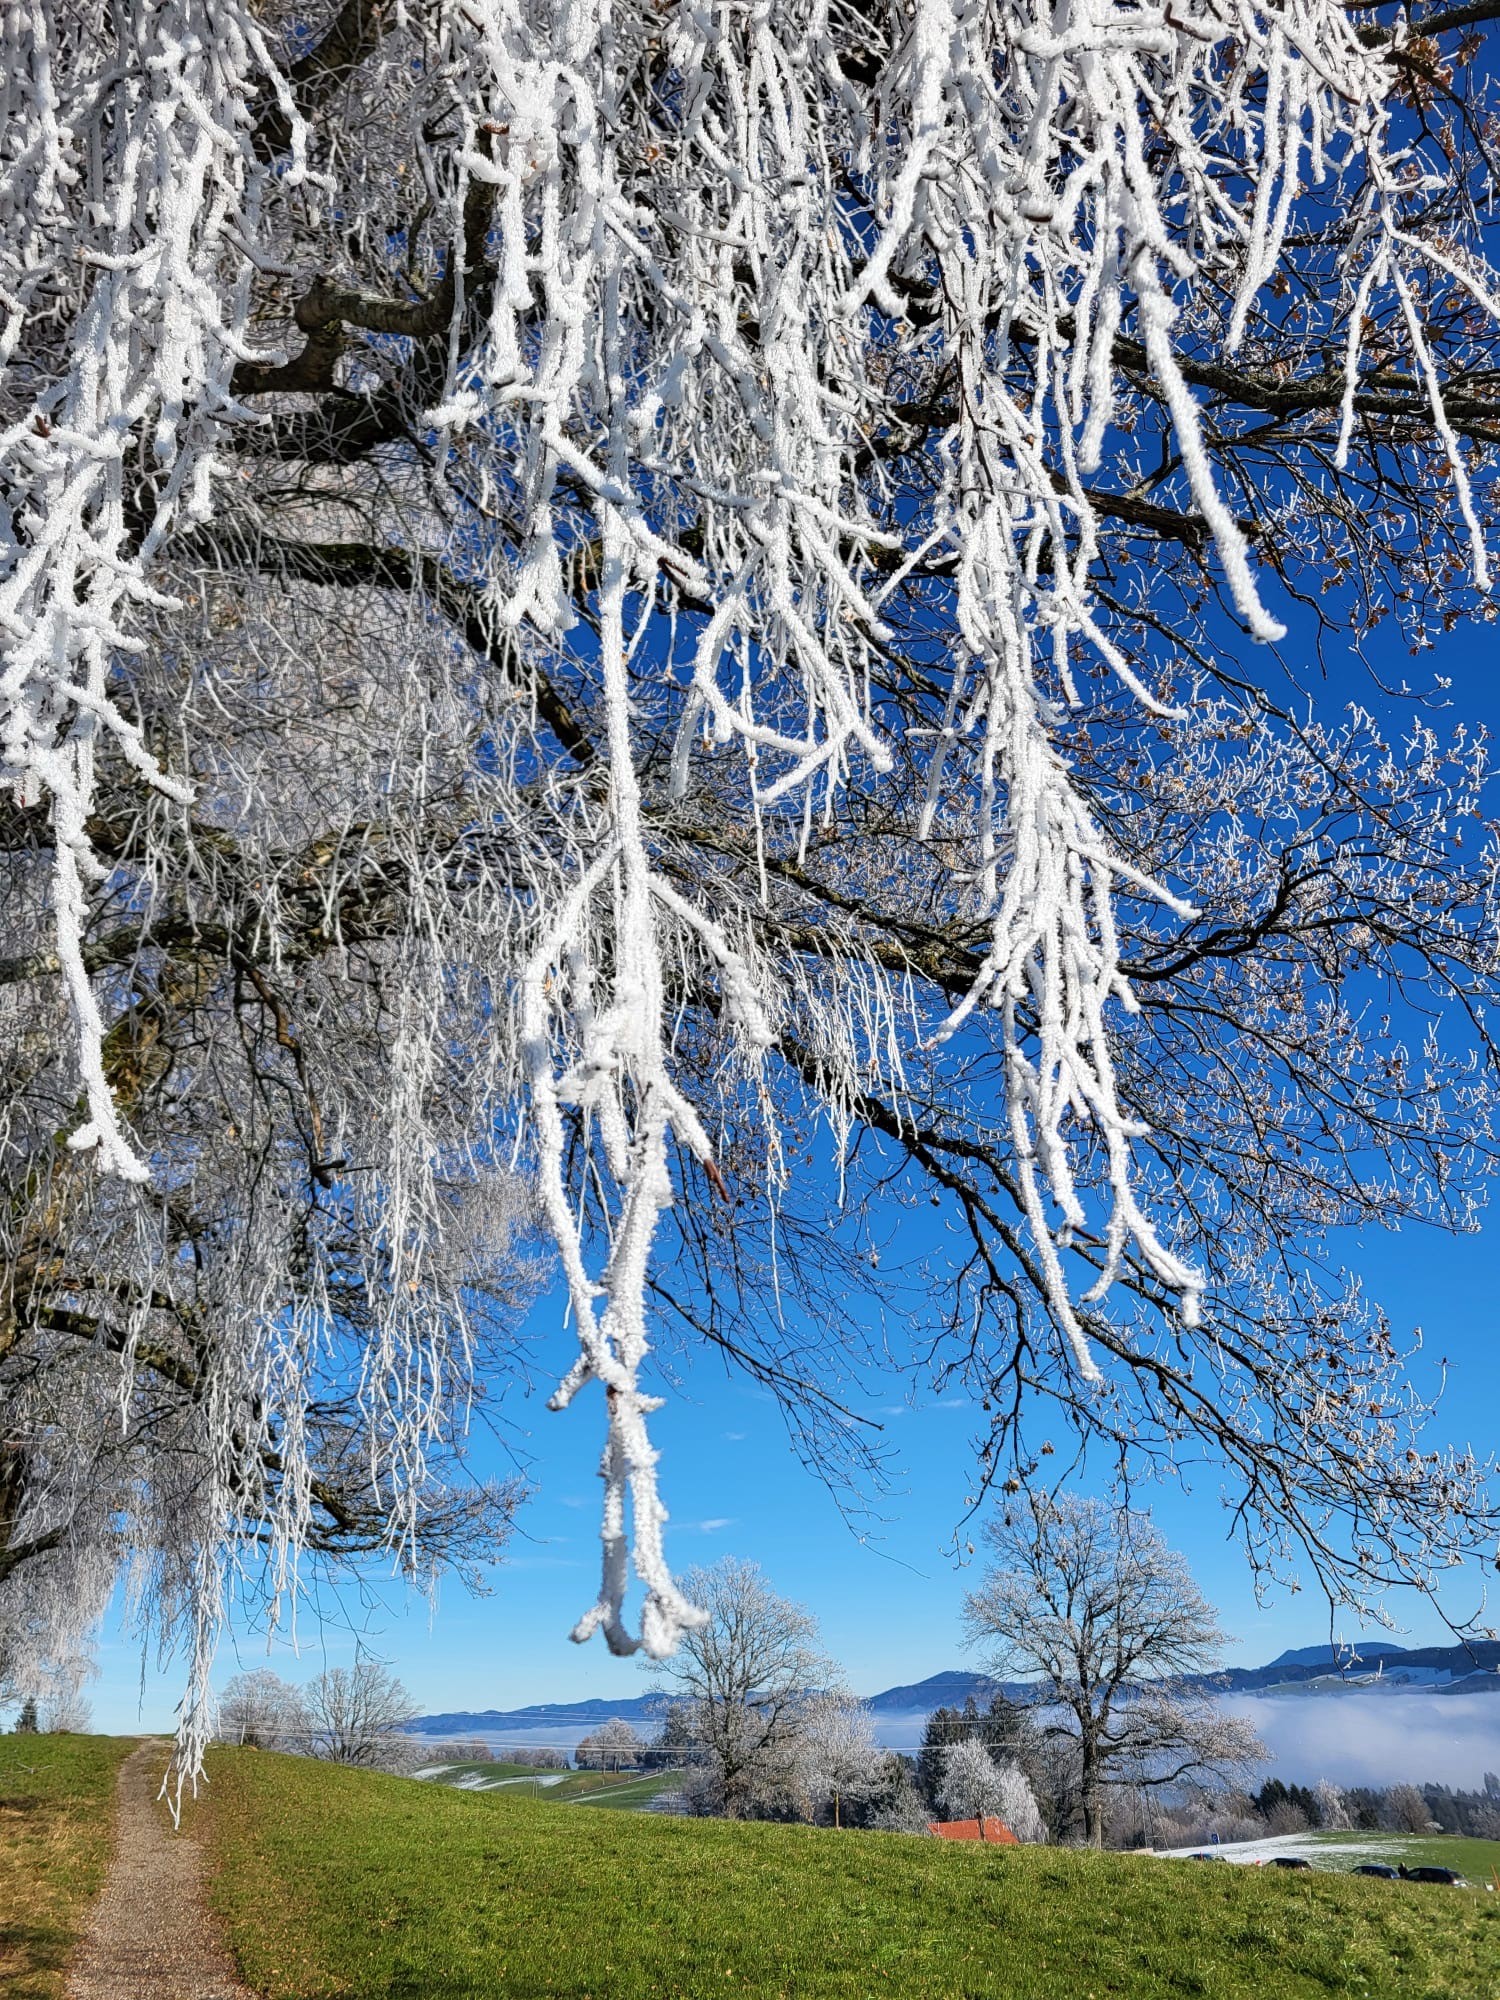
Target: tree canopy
605 604
1106 1624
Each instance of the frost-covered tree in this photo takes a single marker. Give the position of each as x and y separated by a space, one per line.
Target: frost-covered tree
847 1776
1006 1729
976 1785
1332 1812
66 1712
1089 1603
633 593
1404 1809
748 1675
258 1710
614 1746
260 1368
358 1716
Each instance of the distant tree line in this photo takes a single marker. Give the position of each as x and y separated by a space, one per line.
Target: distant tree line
1473 1814
1281 1808
1084 1599
346 1715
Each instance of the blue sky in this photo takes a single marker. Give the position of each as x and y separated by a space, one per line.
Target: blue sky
888 1596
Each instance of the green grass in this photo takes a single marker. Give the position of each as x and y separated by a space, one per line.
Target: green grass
1477 1859
481 1767
616 1788
56 1817
339 1883
627 1790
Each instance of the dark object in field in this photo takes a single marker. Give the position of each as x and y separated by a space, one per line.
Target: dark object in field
1205 1857
1381 1868
1450 1876
1290 1861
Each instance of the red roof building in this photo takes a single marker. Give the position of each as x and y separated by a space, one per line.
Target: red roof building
995 1831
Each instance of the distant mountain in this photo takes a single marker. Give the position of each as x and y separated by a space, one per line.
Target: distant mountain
1306 1671
1434 1668
950 1690
541 1715
1327 1656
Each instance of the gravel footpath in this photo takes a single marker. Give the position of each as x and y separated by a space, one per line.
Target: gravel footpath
149 1936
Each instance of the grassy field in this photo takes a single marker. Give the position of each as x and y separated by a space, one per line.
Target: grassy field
616 1788
337 1883
1478 1859
56 1813
625 1790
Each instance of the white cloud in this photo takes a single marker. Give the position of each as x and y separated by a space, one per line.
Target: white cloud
714 1525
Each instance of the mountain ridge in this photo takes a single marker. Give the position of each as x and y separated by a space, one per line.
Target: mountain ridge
1471 1669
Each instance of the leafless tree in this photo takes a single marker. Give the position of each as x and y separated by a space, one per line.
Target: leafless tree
265 1361
1089 1601
358 1715
614 1746
844 1771
1405 1809
630 638
67 1713
1333 1810
746 1675
259 1710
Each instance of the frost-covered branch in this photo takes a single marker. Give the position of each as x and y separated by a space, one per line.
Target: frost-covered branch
780 484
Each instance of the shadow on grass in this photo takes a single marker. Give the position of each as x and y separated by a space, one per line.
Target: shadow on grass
38 1810
31 1955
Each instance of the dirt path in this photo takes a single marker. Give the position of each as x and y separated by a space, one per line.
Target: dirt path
149 1936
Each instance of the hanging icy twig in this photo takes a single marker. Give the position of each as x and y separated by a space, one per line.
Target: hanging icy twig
653 300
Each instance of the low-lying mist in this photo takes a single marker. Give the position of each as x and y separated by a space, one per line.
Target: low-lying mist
1354 1739
1378 1739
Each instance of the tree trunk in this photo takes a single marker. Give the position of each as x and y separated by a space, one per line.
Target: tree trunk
1090 1790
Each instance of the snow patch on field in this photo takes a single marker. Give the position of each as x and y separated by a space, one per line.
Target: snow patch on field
1311 1846
476 1781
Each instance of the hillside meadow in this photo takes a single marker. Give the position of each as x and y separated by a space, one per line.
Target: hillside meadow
334 1884
625 1790
56 1818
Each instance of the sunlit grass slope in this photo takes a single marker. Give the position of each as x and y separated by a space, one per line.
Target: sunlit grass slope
336 1883
56 1818
618 1788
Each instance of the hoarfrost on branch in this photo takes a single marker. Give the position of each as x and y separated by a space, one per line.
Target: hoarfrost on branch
666 357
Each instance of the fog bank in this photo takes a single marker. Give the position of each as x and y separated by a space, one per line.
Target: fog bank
1378 1739
1354 1739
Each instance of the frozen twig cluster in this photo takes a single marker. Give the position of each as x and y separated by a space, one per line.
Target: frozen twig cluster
757 398
127 216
